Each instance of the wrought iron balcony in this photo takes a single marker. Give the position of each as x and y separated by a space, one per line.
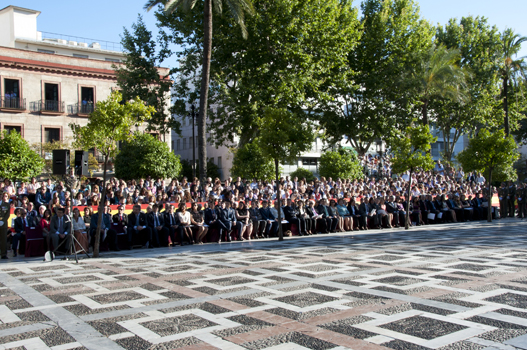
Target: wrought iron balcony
13 103
81 108
49 106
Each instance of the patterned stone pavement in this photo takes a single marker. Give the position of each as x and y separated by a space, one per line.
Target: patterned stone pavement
454 287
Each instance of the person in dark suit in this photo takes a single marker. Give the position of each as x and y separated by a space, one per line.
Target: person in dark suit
331 222
511 197
19 236
138 229
172 225
228 218
521 191
121 217
460 213
156 223
60 230
257 219
272 225
353 209
291 216
108 234
316 218
5 212
431 208
392 208
366 212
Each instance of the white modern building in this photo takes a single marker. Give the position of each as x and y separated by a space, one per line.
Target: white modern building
48 81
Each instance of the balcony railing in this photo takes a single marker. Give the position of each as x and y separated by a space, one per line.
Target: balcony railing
13 103
48 106
81 108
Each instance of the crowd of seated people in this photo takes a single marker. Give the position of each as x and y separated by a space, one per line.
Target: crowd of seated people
245 209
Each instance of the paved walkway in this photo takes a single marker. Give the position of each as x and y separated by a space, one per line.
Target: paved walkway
458 286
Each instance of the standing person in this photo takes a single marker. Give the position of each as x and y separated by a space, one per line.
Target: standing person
20 231
271 227
511 197
173 225
521 191
503 193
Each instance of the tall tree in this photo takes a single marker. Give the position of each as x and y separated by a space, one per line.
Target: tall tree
490 152
141 75
110 123
479 45
411 150
294 50
368 101
438 75
238 9
340 164
283 136
511 68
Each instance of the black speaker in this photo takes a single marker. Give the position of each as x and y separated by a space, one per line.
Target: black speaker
81 163
61 161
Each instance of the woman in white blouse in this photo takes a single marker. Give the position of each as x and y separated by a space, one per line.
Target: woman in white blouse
184 219
79 231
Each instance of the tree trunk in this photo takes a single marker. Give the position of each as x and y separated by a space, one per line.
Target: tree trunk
100 212
425 112
489 208
506 104
278 198
407 218
204 94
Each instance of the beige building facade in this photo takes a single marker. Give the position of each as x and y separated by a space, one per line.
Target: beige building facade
48 83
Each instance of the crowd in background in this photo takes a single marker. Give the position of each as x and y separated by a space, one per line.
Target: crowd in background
248 209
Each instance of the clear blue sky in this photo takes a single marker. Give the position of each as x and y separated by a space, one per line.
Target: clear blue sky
104 20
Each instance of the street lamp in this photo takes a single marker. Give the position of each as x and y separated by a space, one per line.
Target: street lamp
193 116
379 152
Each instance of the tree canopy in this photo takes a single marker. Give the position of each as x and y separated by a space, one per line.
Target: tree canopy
145 156
250 163
490 153
340 164
17 160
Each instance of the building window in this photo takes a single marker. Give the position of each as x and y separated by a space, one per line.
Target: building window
309 161
11 94
13 128
219 162
80 56
51 98
87 99
190 141
112 59
51 134
184 143
46 51
177 144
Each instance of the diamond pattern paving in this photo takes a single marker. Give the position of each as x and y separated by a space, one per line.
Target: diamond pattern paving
442 287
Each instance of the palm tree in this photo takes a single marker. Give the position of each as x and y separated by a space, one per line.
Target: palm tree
238 9
510 69
439 75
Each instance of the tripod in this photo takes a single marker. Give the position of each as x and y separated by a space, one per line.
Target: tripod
71 249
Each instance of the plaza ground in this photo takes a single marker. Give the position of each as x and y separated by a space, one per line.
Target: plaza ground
457 286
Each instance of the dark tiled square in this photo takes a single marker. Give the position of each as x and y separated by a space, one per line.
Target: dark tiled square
399 280
470 267
318 268
306 299
293 337
423 327
511 299
117 297
345 326
229 281
388 257
178 324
